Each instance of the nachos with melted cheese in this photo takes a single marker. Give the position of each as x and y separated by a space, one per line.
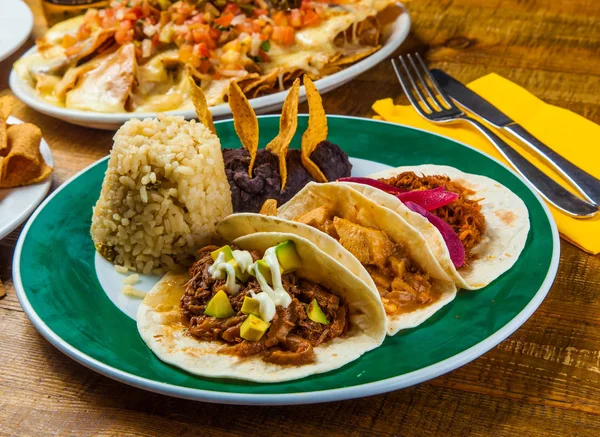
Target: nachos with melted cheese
137 55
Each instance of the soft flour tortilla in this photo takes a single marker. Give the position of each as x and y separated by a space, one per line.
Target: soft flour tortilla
506 216
160 324
350 204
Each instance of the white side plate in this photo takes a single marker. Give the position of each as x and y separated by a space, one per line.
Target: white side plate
16 23
16 204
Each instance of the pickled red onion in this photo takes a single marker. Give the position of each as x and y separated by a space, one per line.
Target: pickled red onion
455 246
429 199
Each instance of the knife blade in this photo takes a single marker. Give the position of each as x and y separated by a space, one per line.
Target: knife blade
585 183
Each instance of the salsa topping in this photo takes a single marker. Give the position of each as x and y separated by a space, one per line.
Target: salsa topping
402 284
282 334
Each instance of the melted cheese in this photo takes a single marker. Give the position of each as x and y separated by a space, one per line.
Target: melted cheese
106 87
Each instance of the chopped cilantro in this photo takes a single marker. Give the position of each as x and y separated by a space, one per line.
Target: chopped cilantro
265 46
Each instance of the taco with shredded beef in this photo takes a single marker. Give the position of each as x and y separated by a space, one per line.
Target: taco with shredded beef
385 253
268 307
474 226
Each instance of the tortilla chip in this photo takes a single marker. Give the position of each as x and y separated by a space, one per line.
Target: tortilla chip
6 105
316 130
247 81
266 81
202 111
355 55
194 73
368 32
288 123
24 163
269 207
244 122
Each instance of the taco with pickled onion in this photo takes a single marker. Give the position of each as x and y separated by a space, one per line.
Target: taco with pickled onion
384 252
268 307
474 226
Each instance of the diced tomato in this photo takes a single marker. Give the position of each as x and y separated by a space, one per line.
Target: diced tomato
202 50
263 55
202 36
214 33
295 18
310 18
232 8
124 36
131 16
283 35
126 25
248 27
146 9
258 12
280 18
224 20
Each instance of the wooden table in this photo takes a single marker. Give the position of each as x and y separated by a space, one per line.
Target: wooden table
543 380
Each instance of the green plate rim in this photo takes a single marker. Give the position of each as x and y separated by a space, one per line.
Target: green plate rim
368 389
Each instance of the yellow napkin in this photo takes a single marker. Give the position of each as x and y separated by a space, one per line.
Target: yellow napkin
569 134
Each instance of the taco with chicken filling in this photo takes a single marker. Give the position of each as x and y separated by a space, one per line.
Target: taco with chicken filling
474 226
268 307
382 251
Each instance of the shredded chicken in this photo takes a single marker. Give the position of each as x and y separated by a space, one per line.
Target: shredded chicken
402 285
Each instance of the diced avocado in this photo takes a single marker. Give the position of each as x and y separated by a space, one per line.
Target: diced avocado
242 276
219 306
253 328
226 250
264 270
251 306
316 314
288 256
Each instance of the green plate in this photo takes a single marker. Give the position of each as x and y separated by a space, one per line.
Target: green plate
56 279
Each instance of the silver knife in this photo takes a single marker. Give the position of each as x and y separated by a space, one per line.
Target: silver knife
585 183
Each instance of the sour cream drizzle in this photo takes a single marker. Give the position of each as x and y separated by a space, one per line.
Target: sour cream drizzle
270 297
266 306
243 260
222 268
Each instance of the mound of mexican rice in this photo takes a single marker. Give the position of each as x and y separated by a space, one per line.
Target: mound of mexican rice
164 191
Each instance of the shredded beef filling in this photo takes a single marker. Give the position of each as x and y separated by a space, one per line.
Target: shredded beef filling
291 336
463 215
402 285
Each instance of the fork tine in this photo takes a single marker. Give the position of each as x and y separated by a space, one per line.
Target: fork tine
415 87
406 88
434 99
435 84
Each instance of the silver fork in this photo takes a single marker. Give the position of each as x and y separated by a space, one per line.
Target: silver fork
432 103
